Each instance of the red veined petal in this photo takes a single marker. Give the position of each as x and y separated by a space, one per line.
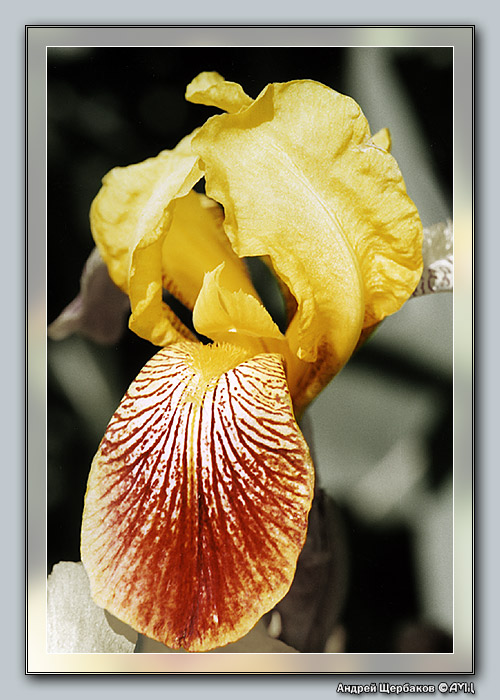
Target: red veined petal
197 502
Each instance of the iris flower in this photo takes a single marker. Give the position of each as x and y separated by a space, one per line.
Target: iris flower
198 497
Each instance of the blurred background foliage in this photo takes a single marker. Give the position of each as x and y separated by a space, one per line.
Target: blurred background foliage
384 426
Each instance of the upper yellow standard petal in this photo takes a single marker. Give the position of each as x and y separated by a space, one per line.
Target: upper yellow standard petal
302 181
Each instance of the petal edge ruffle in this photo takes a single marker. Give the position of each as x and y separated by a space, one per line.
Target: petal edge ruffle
302 181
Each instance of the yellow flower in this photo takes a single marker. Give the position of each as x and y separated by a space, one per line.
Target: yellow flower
197 503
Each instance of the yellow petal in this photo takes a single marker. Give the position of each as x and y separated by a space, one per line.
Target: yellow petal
225 313
132 204
195 244
129 219
212 90
300 181
233 316
197 502
265 168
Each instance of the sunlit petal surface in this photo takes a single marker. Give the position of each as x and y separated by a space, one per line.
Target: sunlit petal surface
197 502
302 181
262 164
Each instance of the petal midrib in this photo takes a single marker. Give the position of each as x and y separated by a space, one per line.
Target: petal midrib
299 174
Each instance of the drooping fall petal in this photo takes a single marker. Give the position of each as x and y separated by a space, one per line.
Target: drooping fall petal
197 502
301 180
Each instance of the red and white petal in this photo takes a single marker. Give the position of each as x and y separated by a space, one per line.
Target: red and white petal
198 498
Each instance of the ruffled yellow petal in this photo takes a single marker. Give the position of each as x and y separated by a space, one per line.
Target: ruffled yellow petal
134 203
197 502
129 219
301 180
225 314
212 90
262 165
155 234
